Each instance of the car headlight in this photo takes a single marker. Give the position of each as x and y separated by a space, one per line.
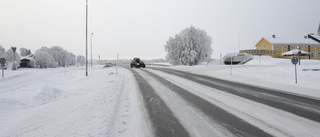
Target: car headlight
137 63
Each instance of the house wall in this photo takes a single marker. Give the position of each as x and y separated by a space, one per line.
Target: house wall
275 51
314 49
264 44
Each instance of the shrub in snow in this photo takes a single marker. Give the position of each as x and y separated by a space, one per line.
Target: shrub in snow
190 47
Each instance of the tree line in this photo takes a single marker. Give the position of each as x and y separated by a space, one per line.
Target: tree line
45 57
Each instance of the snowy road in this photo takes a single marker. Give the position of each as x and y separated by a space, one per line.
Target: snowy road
206 106
303 106
144 102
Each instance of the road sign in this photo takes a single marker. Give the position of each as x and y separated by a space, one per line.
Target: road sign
2 61
14 49
294 60
299 52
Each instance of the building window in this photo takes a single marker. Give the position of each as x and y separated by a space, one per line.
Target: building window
285 47
312 47
278 47
318 54
319 47
306 47
264 46
311 55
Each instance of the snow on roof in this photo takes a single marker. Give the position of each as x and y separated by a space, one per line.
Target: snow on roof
291 41
294 52
29 57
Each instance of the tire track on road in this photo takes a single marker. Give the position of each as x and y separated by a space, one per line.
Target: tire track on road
298 105
164 122
234 124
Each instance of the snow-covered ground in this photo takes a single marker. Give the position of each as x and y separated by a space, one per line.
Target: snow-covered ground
65 102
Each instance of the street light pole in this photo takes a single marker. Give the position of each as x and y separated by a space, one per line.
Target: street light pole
91 49
86 37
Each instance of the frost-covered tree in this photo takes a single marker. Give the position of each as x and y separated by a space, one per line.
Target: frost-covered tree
72 59
2 50
190 47
81 60
23 51
60 55
45 59
28 52
9 55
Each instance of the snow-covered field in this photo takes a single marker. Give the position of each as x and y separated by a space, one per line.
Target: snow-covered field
65 102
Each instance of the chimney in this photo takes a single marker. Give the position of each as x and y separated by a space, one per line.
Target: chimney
273 36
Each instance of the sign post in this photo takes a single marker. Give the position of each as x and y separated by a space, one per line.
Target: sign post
299 53
14 66
2 62
294 61
117 65
220 58
206 61
259 51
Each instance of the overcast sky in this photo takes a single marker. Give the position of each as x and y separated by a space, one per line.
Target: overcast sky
140 28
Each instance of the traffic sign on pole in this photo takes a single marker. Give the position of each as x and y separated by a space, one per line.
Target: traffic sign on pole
294 61
299 53
2 62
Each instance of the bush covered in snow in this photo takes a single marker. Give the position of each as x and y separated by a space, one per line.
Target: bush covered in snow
54 57
190 47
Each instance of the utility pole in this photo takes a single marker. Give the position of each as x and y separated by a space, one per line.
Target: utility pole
86 37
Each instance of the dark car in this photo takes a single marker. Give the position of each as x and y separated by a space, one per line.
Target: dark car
137 63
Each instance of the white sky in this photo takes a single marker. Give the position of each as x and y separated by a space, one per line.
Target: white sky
140 28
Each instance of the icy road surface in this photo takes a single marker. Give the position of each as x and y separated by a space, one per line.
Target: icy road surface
141 102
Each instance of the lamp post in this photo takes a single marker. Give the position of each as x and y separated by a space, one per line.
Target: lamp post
86 37
91 49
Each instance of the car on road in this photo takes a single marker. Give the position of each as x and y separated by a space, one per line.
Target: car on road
137 63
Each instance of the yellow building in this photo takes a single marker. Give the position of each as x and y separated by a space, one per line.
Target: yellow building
275 46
